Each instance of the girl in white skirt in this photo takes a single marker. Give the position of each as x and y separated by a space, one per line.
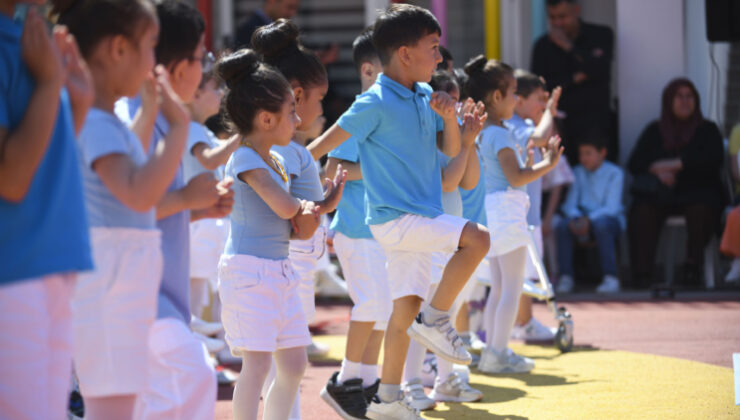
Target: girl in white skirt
507 173
261 312
114 306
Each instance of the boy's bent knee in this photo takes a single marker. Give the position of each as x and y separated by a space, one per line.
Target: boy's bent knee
476 237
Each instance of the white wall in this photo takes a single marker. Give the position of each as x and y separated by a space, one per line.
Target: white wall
650 52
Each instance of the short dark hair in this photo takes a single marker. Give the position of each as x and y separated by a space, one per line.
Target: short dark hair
443 81
363 49
446 58
252 86
279 46
594 137
486 76
91 21
402 25
556 2
216 124
462 80
180 28
527 83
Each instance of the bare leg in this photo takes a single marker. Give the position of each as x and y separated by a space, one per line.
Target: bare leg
397 340
524 314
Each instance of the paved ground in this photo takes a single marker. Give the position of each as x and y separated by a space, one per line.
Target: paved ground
703 327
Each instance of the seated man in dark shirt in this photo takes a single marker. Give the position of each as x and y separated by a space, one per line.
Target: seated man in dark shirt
577 56
271 11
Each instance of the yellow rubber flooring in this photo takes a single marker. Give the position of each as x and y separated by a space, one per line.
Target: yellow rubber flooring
593 384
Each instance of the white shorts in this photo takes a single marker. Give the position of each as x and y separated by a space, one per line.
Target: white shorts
113 308
409 242
260 307
181 383
304 256
363 265
530 272
507 221
207 241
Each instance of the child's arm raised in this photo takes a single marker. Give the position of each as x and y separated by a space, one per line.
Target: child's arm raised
473 121
146 116
22 150
444 105
79 82
518 176
328 141
141 188
213 157
544 129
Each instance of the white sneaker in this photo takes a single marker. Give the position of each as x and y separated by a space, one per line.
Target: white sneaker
504 362
317 349
565 284
733 276
609 285
396 410
454 389
213 345
413 390
204 327
441 338
472 341
225 377
533 331
328 284
429 370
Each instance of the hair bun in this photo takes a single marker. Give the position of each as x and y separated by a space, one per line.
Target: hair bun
476 65
273 39
235 66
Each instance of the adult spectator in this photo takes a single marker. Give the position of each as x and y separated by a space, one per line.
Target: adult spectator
577 56
676 168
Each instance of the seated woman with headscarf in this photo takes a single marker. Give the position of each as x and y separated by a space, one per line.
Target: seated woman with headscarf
676 171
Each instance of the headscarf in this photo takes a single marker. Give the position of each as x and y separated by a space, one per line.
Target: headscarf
678 133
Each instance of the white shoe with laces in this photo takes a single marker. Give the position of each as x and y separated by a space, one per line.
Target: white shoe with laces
396 410
565 284
454 389
610 284
533 331
441 338
413 390
504 362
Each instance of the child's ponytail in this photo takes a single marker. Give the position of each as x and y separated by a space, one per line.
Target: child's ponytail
485 77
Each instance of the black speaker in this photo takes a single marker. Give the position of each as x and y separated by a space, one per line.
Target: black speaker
723 20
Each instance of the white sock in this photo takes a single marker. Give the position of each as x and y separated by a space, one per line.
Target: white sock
389 393
414 361
369 375
432 315
349 370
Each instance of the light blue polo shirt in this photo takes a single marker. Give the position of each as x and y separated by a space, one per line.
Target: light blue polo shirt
522 131
102 135
492 140
47 232
396 132
255 228
174 290
349 218
474 201
304 174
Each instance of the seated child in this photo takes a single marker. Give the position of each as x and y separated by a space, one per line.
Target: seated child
592 209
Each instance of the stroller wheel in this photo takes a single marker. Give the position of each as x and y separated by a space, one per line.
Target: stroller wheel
564 335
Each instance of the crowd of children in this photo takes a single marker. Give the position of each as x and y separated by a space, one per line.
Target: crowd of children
122 211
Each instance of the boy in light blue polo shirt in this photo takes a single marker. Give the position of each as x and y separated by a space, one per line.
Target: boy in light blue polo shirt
44 235
396 124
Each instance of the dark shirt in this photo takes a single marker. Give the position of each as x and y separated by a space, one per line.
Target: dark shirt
591 54
245 31
700 179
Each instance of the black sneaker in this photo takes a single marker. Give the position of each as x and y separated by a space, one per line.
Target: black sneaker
347 399
371 391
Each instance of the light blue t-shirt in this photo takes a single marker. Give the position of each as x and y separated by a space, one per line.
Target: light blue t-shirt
396 131
596 194
474 201
492 140
349 218
522 131
174 290
102 135
451 201
304 174
47 232
197 133
255 228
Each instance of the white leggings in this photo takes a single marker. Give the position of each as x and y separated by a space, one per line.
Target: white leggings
507 280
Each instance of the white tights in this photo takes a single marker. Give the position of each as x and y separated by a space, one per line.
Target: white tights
507 280
290 365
